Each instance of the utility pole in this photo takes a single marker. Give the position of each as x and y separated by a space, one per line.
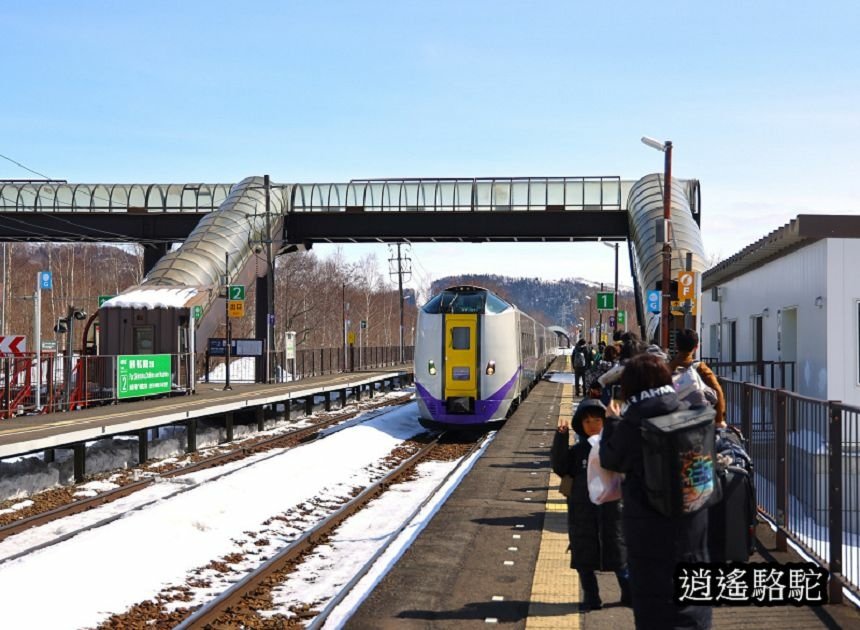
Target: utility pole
403 267
270 286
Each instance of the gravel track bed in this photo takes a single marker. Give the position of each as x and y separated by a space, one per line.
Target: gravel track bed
166 611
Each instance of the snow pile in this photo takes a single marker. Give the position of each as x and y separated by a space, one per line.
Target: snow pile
152 298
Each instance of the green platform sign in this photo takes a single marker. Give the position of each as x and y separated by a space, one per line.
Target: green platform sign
605 301
142 375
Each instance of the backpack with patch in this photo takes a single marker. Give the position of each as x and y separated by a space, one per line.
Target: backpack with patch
579 359
691 388
678 457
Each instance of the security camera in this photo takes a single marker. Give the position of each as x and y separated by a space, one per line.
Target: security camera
79 315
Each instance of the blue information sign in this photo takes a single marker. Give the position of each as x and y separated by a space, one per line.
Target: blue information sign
653 301
46 281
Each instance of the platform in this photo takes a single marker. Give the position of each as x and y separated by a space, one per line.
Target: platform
496 552
25 434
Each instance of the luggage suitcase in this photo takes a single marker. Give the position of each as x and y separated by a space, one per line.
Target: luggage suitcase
732 521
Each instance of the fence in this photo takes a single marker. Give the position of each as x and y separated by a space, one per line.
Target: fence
806 453
92 379
776 374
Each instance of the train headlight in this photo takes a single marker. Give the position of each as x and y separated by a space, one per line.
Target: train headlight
491 368
431 367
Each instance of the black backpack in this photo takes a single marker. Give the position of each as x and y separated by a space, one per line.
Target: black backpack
678 456
579 359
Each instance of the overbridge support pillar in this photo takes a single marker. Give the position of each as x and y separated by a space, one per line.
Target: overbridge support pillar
152 254
261 325
142 446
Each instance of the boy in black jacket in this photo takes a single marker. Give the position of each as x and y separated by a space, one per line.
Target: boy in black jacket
596 541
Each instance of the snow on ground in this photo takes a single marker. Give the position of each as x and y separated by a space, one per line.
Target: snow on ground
134 557
561 377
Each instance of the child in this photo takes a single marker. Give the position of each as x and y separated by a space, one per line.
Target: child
596 541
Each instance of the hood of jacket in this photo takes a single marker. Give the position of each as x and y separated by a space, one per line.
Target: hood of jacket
587 405
652 402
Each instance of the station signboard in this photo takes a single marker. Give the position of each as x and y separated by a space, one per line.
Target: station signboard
238 347
142 375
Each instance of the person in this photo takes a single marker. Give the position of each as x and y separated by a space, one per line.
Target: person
581 362
655 543
598 369
594 531
630 347
687 342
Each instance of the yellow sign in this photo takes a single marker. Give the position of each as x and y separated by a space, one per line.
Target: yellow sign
236 308
677 307
350 338
686 285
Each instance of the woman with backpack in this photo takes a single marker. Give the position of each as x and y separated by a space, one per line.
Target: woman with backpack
656 543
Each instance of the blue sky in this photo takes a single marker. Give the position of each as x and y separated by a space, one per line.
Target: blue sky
760 100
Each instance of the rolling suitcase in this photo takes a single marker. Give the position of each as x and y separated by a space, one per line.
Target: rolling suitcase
732 521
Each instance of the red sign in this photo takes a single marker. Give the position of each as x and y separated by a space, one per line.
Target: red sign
13 345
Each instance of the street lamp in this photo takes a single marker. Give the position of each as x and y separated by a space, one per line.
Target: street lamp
615 246
588 297
666 148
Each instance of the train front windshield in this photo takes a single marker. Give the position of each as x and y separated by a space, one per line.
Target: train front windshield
465 303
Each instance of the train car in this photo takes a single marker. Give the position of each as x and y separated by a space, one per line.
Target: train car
475 356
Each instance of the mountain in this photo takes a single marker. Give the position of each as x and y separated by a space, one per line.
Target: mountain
559 302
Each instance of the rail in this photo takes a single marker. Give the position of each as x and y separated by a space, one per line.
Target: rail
806 452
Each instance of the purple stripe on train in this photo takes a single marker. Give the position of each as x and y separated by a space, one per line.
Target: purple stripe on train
484 409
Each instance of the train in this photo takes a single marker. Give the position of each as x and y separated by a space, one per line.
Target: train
476 357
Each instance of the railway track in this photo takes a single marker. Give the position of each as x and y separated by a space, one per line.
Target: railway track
291 438
235 604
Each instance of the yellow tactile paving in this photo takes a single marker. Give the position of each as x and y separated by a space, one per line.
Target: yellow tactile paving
555 586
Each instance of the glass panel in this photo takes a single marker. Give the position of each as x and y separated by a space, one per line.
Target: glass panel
555 194
143 340
495 304
460 338
574 194
520 195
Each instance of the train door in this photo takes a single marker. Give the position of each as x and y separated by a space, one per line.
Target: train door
461 362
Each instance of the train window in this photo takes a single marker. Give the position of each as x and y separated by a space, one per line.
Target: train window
460 338
495 304
457 302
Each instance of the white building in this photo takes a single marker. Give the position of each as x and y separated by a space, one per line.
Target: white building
794 295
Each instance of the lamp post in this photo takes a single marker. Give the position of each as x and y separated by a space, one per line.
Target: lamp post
588 297
666 148
615 301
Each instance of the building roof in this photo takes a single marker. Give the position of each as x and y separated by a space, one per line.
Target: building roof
802 231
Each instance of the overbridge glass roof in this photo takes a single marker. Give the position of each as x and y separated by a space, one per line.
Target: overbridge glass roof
52 196
446 195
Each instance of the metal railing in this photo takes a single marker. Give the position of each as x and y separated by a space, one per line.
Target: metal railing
80 381
776 374
806 454
69 383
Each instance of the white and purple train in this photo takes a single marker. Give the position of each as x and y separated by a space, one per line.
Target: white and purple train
475 356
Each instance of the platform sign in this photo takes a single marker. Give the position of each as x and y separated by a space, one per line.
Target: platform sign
105 298
653 301
290 344
49 346
238 347
236 308
13 345
678 307
612 321
46 280
363 324
606 301
142 375
236 292
197 312
350 338
622 318
686 285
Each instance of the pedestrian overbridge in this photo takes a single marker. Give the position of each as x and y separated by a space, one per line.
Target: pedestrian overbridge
256 213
